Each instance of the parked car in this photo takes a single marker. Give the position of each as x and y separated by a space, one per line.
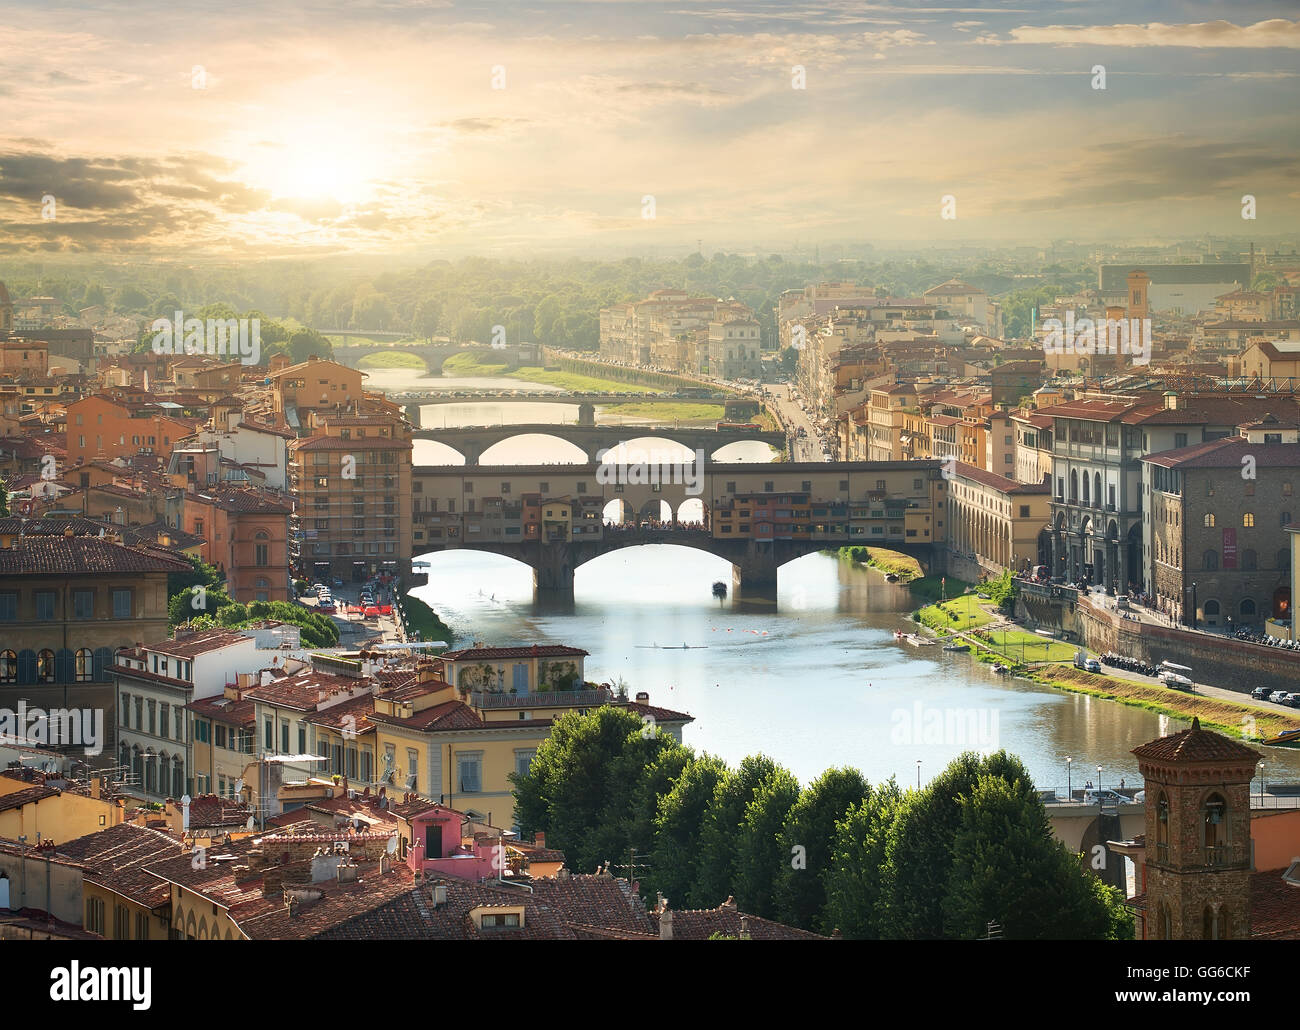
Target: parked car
1278 696
1293 699
1261 693
1105 797
327 608
317 588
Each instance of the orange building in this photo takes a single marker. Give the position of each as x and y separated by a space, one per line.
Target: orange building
100 428
246 535
313 385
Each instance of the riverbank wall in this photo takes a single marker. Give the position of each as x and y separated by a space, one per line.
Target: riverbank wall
1215 660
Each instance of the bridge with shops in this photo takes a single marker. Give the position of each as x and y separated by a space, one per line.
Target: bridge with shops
739 515
472 442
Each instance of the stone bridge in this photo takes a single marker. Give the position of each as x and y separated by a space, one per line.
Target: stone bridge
471 442
897 505
432 354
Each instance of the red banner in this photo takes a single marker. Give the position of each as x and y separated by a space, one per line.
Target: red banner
1229 548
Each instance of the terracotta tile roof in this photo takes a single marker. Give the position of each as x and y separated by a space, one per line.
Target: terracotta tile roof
246 501
116 858
337 716
1000 483
83 556
700 924
1274 907
1196 745
304 690
212 811
446 717
223 710
1227 453
26 796
202 642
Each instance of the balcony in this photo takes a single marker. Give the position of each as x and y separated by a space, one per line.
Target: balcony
541 699
1218 854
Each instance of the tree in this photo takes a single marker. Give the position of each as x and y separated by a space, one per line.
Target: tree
724 824
1007 868
200 574
679 816
760 857
307 342
427 316
580 786
919 852
810 827
854 882
194 601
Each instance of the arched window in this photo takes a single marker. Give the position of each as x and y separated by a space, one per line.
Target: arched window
84 667
261 534
1210 924
1211 609
1210 559
1096 489
1074 485
1248 519
1162 828
1249 560
1209 521
1284 519
1247 608
8 667
1214 829
45 666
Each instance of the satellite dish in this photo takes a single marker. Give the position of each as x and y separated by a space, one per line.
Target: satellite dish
239 786
249 825
392 845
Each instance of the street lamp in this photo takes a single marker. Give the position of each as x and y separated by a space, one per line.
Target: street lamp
1261 783
918 774
1069 789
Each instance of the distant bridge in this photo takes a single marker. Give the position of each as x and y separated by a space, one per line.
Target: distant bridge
471 442
432 354
547 397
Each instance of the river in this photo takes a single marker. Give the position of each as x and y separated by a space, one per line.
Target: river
814 682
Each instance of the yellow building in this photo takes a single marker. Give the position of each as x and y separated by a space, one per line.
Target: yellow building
119 900
1002 523
56 810
459 746
557 519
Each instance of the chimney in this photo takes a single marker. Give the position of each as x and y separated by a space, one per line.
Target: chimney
744 928
666 925
439 895
539 839
347 872
642 697
729 903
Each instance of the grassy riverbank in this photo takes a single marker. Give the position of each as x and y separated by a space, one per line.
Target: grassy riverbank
469 366
967 608
391 359
1229 717
669 411
424 620
887 561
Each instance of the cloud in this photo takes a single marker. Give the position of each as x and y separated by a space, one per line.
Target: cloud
1277 33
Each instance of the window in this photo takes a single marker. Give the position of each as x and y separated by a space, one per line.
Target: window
95 915
523 760
46 601
1249 560
262 555
1247 608
83 604
470 768
84 667
45 666
1180 440
1248 519
8 666
1208 521
269 735
1210 560
499 920
122 604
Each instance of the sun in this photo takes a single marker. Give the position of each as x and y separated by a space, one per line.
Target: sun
315 163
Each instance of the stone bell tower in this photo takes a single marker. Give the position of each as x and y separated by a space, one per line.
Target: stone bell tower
6 313
1197 835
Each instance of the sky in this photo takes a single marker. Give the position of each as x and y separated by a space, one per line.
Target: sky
429 128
